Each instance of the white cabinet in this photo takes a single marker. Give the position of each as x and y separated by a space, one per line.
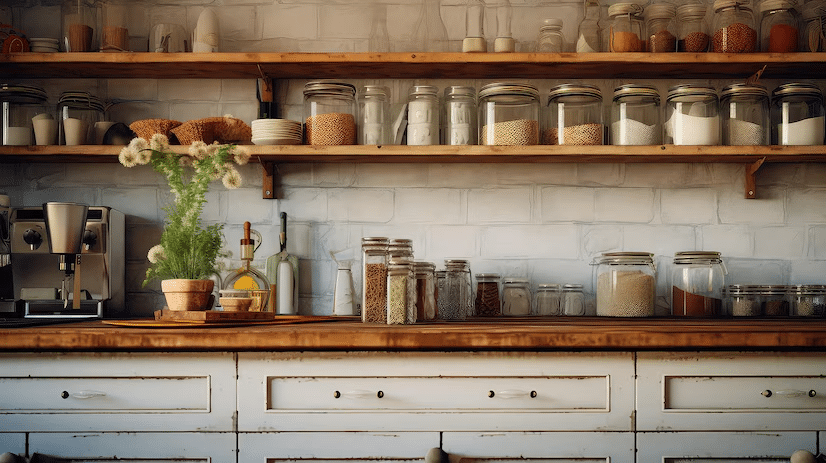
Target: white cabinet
12 442
336 447
540 447
722 447
208 447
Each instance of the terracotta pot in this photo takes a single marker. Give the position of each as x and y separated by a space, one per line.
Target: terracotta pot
188 294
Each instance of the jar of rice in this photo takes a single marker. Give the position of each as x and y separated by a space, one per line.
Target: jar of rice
330 113
626 284
745 115
797 114
635 116
508 114
574 116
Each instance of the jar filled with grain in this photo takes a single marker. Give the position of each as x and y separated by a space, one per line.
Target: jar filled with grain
661 27
813 26
808 300
734 28
745 115
635 116
425 290
550 38
458 301
330 113
626 284
374 115
401 297
487 295
797 115
698 281
778 26
626 28
573 300
374 280
459 116
547 299
743 301
516 297
774 300
574 116
692 116
508 114
423 115
692 28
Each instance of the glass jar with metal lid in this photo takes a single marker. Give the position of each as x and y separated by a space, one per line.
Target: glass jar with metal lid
459 116
692 116
374 280
745 115
547 300
79 25
626 284
573 300
27 117
79 111
425 290
441 291
330 113
797 115
423 115
401 296
635 116
813 26
374 115
692 28
574 116
734 29
661 27
774 300
516 297
508 114
457 303
808 300
400 249
778 26
698 281
550 38
626 29
487 295
743 301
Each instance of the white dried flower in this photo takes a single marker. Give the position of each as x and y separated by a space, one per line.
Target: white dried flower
127 157
185 161
138 144
241 155
156 254
159 142
198 149
231 179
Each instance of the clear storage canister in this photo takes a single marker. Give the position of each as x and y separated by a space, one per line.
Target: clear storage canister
459 116
626 28
401 296
745 115
774 300
547 300
574 116
78 112
425 291
692 116
27 117
508 114
734 28
573 300
441 291
698 281
79 25
516 297
374 115
423 115
778 26
458 300
692 28
813 26
808 300
743 301
330 113
487 303
661 27
797 115
626 284
550 39
635 116
374 280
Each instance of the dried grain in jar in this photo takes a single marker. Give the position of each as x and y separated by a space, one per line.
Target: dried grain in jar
743 301
808 300
425 290
330 113
626 28
734 28
745 115
574 116
774 300
374 280
400 288
697 284
458 302
626 284
661 27
508 114
692 28
778 26
487 302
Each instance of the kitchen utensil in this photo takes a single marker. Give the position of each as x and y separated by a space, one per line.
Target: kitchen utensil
266 100
282 269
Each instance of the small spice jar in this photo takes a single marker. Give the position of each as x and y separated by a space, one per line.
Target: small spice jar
635 116
27 116
774 300
778 26
516 297
330 113
743 301
626 284
425 290
374 115
574 116
78 112
573 300
423 115
813 31
697 284
745 115
550 38
487 295
692 28
401 297
547 300
626 29
808 300
661 27
797 115
374 280
692 116
508 114
458 302
459 115
734 29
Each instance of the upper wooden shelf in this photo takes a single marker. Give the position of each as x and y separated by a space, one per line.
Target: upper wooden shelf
410 65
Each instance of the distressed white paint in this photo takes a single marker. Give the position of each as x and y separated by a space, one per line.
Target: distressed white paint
535 447
722 447
206 447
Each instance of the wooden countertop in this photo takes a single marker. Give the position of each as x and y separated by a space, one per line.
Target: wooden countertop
501 334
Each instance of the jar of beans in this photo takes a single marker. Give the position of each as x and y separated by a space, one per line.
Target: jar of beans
661 27
774 300
546 300
457 303
330 112
808 300
743 301
692 29
626 284
797 114
574 116
635 116
692 116
734 29
550 38
573 300
487 295
697 284
626 28
374 280
745 115
374 115
516 297
423 115
459 116
425 290
813 26
778 26
401 293
509 114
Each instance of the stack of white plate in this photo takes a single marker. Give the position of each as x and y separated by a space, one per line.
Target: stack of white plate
44 45
276 132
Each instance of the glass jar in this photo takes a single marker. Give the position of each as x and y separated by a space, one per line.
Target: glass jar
698 279
808 300
374 280
797 115
441 291
635 116
813 26
374 115
78 113
743 301
573 300
401 298
626 29
474 41
589 35
115 32
423 115
458 302
547 300
661 27
516 297
745 115
459 116
425 291
487 295
508 114
734 29
692 28
626 284
550 38
27 116
774 300
79 22
692 116
574 116
330 113
778 26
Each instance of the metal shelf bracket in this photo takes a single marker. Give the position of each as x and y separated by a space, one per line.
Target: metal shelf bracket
751 170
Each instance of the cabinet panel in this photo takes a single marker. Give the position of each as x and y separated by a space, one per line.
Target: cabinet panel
327 447
538 447
722 447
13 442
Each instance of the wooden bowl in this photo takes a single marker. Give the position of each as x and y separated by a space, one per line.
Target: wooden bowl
236 304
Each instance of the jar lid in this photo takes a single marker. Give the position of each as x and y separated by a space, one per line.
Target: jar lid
441 273
401 242
571 287
456 263
723 4
691 11
551 23
624 258
18 93
689 257
374 91
689 90
744 90
620 9
398 268
378 239
808 289
329 87
517 281
460 90
423 90
773 290
660 11
508 88
80 100
548 287
575 90
636 90
424 267
769 5
743 289
487 276
797 89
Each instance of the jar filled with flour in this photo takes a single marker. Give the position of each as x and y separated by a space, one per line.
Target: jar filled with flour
692 116
516 297
626 284
574 116
797 114
635 116
745 114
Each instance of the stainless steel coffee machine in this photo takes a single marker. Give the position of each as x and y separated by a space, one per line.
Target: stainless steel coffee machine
7 301
68 260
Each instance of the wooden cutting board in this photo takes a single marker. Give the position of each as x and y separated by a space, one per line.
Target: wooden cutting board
211 316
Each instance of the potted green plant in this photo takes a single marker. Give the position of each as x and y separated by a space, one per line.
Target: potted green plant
188 252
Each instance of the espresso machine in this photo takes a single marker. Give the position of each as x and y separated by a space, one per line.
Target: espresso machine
7 301
68 260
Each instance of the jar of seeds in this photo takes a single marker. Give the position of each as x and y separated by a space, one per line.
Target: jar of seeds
813 26
774 300
778 26
374 115
808 300
401 298
697 284
330 113
546 300
458 303
425 291
509 114
745 115
487 295
734 29
516 297
626 284
744 301
626 28
692 116
423 115
659 20
797 115
459 116
374 280
573 300
692 29
574 116
635 116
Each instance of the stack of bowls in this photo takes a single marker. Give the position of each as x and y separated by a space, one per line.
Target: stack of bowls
44 45
276 132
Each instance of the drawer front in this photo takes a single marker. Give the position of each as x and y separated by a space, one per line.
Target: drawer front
726 391
435 391
335 447
540 447
13 442
722 447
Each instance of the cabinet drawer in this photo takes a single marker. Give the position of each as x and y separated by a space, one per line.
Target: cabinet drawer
13 442
540 447
722 447
335 447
